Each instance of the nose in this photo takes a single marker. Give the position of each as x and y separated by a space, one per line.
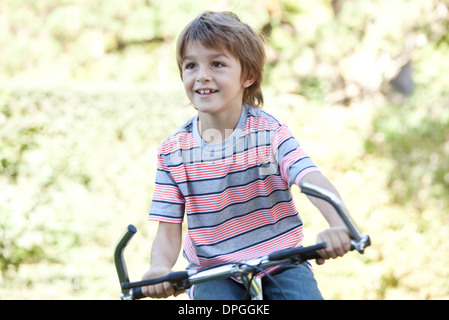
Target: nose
203 75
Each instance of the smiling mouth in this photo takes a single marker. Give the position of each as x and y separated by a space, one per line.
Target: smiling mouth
205 91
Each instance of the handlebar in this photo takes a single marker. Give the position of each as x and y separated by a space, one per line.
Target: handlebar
360 241
182 280
120 266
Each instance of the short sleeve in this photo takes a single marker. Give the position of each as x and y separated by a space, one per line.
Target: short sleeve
168 204
293 162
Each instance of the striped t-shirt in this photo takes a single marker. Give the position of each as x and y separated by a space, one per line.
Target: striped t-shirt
235 194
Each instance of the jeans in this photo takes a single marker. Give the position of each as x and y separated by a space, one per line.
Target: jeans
297 283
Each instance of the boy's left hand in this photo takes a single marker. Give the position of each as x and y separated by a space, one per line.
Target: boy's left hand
337 243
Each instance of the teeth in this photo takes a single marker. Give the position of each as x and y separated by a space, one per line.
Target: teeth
207 91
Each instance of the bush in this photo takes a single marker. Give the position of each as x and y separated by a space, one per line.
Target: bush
67 158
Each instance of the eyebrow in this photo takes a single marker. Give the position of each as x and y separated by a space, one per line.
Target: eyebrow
212 56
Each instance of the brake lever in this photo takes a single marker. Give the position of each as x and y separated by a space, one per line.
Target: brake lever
360 241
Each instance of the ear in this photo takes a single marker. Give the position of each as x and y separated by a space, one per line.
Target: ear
248 83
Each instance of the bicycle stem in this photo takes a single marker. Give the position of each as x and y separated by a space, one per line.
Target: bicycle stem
360 241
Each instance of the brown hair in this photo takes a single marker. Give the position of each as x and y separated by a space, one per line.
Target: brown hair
225 31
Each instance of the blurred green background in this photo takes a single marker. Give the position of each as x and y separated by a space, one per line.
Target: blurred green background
88 90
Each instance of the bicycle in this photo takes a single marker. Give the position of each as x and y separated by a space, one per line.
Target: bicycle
242 270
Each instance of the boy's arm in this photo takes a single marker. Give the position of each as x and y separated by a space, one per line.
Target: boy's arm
337 237
164 254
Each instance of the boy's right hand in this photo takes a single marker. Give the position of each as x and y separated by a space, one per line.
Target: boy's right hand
160 290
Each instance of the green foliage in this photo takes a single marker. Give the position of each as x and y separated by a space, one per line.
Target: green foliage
61 151
415 134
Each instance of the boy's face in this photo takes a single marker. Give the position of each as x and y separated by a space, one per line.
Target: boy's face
212 79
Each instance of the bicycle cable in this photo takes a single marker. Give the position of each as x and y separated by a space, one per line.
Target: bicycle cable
269 276
252 276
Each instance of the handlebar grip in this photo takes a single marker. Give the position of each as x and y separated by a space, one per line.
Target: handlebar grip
171 277
311 256
304 253
137 294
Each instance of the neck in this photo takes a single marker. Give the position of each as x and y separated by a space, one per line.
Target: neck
215 128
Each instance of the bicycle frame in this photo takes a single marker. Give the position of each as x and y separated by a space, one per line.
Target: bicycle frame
242 270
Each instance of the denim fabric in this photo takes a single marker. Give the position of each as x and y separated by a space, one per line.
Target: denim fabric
297 283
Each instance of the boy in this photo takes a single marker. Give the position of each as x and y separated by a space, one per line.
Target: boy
229 170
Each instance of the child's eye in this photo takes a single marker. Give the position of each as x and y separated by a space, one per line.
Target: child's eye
189 66
217 64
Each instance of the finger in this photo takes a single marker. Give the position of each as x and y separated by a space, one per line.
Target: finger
160 291
339 251
332 250
157 291
322 252
178 292
145 291
346 240
151 291
345 244
338 248
168 289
